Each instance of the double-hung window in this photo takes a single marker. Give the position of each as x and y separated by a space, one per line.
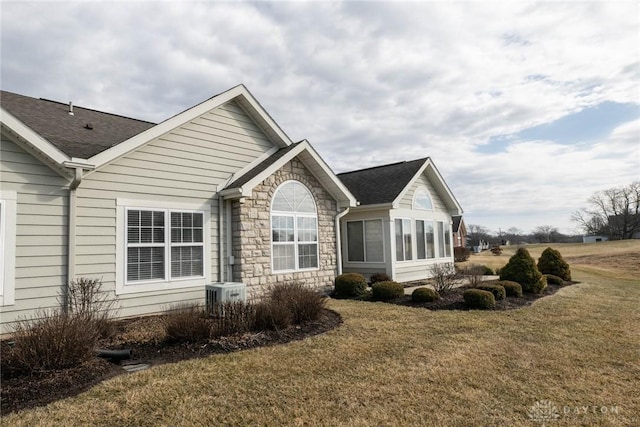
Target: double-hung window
424 239
403 240
294 228
365 241
163 245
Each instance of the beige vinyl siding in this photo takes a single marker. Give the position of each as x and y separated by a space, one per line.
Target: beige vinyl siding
423 181
41 232
184 166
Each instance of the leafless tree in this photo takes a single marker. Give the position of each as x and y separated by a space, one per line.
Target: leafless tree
614 212
546 234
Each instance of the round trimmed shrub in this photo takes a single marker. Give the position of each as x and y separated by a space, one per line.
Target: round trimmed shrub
350 285
551 262
479 299
385 291
486 271
498 291
554 280
424 295
537 287
512 289
522 268
379 277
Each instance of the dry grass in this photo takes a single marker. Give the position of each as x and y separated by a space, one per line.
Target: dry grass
392 365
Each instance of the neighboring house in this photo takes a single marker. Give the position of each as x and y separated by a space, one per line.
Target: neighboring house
216 193
459 231
403 223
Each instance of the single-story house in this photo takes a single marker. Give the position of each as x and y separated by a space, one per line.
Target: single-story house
403 223
217 193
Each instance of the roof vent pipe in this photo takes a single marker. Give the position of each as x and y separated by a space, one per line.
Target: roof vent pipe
70 108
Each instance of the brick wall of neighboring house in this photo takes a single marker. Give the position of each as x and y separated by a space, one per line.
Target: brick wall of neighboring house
251 230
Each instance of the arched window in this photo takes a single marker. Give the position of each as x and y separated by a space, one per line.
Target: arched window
294 228
422 199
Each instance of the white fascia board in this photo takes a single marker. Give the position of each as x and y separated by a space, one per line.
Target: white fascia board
282 139
453 201
247 188
176 121
441 184
303 146
396 201
32 138
350 198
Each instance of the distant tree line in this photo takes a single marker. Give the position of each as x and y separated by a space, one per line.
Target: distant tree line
515 236
614 213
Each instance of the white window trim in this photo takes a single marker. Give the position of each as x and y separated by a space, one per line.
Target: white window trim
433 230
124 287
442 240
412 233
413 200
384 249
8 204
295 243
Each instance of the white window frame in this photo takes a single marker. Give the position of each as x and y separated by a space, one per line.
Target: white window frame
424 239
424 190
442 242
123 286
411 233
8 213
364 240
295 243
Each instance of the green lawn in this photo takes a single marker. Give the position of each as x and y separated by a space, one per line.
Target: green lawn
392 365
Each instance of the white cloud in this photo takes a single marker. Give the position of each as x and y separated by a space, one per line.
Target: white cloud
366 83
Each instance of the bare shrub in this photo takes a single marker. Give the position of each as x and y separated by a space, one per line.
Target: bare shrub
443 277
187 322
52 340
233 317
473 274
85 297
304 304
271 315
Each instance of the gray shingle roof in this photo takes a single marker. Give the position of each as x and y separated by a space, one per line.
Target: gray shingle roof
71 133
381 184
258 169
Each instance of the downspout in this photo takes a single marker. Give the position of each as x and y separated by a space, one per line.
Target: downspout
220 238
71 244
339 240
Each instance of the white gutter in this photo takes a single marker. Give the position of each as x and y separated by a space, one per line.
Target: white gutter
339 240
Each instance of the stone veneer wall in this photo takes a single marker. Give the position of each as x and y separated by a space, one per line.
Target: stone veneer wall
251 232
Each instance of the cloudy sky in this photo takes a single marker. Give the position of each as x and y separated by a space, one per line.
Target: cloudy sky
526 109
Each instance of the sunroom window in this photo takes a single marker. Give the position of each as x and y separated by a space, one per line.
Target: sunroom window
365 241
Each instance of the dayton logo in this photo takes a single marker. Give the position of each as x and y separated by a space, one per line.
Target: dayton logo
543 411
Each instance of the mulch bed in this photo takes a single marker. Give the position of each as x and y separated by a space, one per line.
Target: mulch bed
38 389
453 299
